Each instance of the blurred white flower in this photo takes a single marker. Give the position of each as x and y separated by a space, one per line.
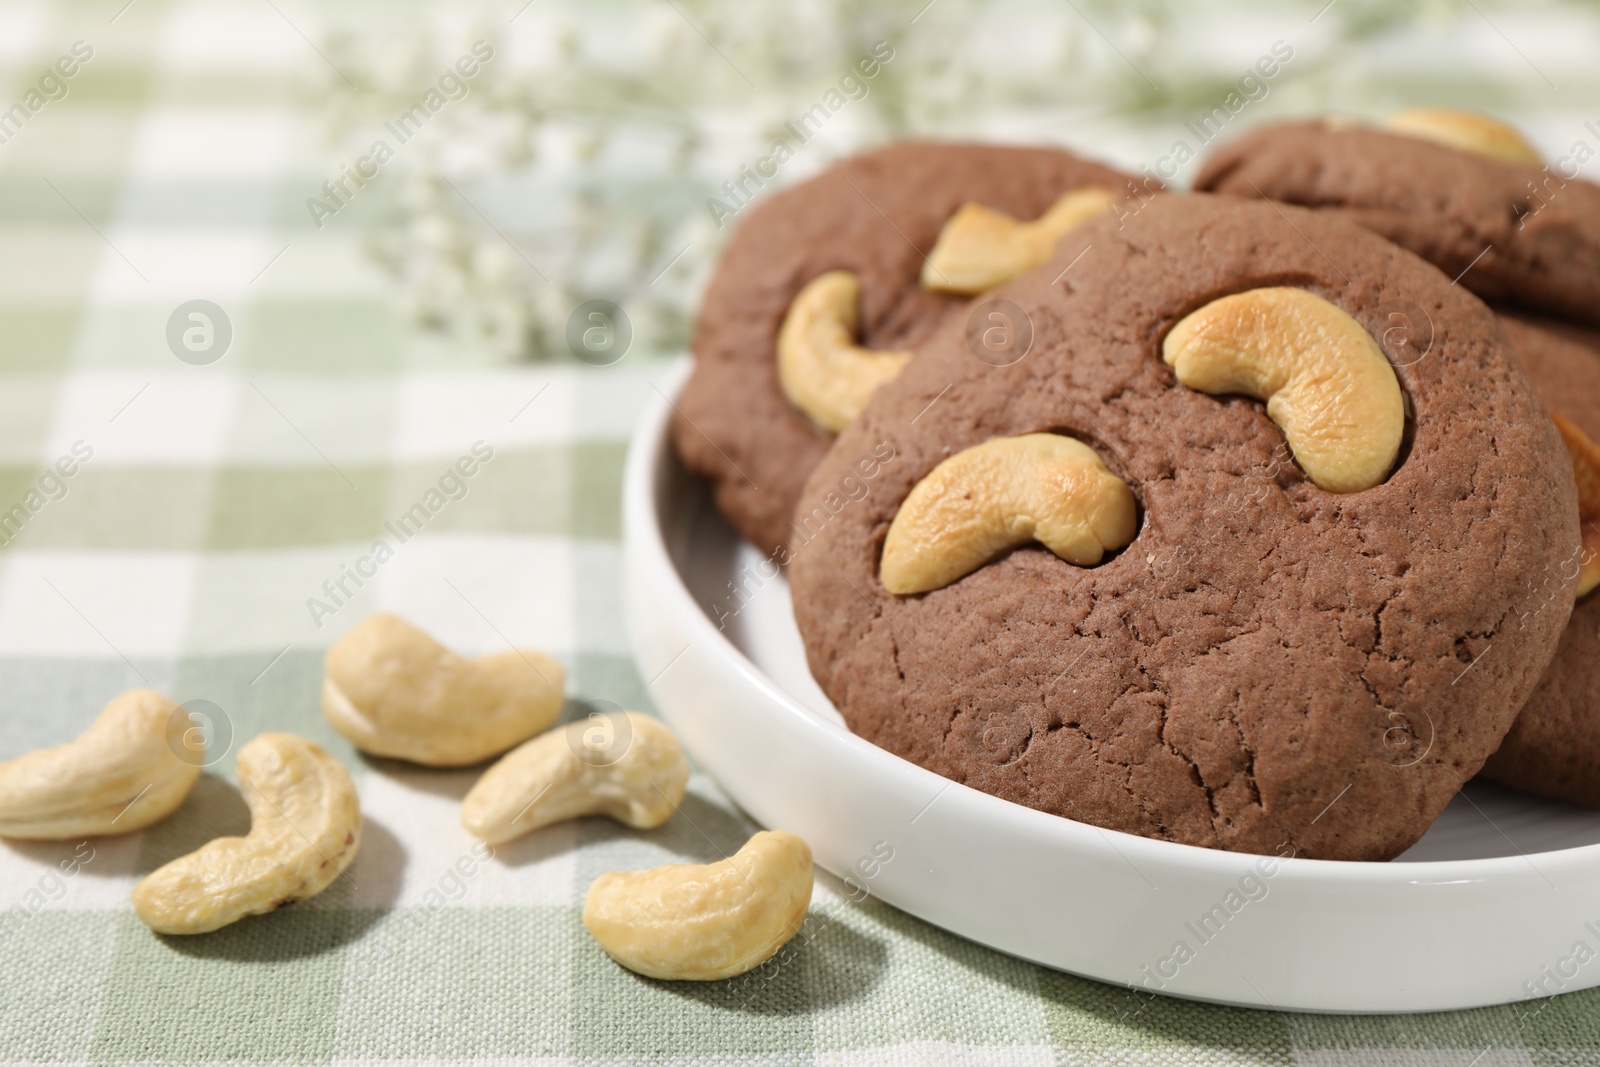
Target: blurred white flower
579 163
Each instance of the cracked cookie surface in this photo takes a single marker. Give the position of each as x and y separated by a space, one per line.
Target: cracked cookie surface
877 215
1553 748
1267 664
1511 231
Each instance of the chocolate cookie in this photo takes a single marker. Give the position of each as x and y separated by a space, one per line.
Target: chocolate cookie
1509 230
1269 664
1553 748
877 216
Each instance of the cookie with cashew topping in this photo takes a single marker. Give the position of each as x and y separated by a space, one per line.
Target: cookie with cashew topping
1465 130
685 922
132 768
1553 749
1463 191
753 420
1324 380
822 370
305 828
980 248
1325 664
990 498
392 690
638 780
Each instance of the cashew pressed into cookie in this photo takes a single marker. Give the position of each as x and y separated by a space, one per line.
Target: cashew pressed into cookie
823 371
1465 130
133 767
305 827
637 779
979 247
1325 381
701 923
992 497
1586 469
392 690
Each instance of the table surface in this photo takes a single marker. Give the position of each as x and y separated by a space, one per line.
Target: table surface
220 498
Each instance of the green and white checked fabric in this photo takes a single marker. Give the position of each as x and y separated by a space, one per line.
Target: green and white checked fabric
203 544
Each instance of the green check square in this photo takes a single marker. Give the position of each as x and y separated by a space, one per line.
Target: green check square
258 693
612 678
518 491
264 508
1085 1015
55 962
459 982
596 493
286 335
265 989
149 509
37 338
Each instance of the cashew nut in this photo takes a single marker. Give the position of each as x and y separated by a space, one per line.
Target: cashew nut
823 371
1325 381
979 247
305 827
392 690
1586 469
583 768
701 923
132 768
990 498
1465 130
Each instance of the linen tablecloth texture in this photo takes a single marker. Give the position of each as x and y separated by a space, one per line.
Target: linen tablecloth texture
205 540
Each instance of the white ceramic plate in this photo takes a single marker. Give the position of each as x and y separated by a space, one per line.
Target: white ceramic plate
1488 908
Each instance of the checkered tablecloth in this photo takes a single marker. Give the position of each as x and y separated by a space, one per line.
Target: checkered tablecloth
203 541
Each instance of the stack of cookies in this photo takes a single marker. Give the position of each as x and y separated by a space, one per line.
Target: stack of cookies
1233 518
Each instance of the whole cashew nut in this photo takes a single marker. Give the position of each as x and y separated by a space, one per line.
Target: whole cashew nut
990 498
1465 130
559 775
701 923
305 828
1586 469
127 771
1325 381
392 690
823 371
979 248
